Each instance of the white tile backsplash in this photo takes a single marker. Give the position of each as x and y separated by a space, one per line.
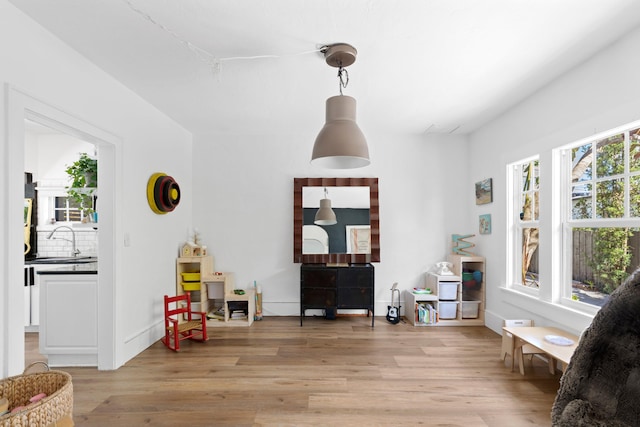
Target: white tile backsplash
86 242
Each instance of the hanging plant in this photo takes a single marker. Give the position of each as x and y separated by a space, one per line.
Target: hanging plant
83 174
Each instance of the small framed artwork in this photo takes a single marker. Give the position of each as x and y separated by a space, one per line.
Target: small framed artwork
484 191
358 239
485 224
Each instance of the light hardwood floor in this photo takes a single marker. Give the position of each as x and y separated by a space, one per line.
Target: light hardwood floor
328 372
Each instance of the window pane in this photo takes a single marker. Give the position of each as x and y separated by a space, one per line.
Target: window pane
634 196
60 215
527 211
610 156
530 173
634 150
581 158
581 201
529 206
602 259
610 199
67 209
529 268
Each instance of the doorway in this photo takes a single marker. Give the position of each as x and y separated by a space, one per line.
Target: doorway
48 154
21 106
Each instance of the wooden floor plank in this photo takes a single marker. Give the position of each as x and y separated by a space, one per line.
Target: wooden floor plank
339 372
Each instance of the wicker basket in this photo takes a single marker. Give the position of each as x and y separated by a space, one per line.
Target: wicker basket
58 404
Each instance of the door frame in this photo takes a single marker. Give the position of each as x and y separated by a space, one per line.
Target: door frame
21 106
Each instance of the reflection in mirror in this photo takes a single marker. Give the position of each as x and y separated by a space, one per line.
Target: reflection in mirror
314 240
28 204
356 236
351 208
358 239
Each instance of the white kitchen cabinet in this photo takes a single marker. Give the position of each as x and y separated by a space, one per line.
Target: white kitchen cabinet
69 327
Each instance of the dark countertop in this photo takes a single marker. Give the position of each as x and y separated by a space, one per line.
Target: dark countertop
86 268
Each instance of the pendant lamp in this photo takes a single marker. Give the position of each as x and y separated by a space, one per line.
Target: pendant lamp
325 215
340 143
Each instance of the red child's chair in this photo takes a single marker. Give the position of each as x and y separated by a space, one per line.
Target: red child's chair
179 322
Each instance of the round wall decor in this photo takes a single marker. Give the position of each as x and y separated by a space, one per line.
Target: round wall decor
163 193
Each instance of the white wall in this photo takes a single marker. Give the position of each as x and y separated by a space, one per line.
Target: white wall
47 155
35 62
601 94
244 207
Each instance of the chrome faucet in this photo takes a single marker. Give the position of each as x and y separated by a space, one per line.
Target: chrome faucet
73 238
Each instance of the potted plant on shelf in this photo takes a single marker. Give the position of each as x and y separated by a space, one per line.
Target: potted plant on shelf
83 174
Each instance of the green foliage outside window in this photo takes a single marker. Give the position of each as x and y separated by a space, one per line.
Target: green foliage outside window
610 254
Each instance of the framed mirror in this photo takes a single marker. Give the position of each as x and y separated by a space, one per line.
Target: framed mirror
362 240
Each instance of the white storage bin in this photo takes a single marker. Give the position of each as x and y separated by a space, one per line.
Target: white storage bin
470 309
215 290
447 309
196 306
448 290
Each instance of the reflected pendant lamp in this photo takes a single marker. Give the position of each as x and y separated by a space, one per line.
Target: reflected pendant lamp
325 215
340 143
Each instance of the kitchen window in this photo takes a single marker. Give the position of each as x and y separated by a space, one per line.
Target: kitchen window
66 209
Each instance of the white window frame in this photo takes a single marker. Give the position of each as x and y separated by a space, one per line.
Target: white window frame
46 207
516 226
67 209
565 208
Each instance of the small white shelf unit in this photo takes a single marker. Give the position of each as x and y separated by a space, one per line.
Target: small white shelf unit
457 299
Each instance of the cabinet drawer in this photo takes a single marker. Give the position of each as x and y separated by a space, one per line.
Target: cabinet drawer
318 297
355 277
316 278
355 297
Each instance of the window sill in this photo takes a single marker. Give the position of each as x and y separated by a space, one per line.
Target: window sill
580 306
563 316
527 290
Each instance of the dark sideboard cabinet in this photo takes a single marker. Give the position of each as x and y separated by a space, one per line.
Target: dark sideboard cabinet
333 288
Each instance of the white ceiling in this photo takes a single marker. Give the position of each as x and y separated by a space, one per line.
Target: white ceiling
422 65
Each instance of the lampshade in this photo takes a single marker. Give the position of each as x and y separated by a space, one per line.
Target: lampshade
325 215
340 143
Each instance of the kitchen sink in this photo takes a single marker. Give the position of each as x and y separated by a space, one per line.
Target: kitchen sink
63 260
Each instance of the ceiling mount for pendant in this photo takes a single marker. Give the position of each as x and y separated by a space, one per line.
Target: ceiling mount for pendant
340 54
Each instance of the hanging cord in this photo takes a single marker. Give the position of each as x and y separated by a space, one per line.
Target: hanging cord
343 78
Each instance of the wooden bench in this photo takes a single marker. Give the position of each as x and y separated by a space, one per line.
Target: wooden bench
534 335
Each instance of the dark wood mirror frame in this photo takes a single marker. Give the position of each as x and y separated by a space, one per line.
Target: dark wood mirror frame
374 221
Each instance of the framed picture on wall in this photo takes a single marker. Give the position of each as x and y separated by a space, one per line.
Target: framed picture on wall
484 191
485 224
